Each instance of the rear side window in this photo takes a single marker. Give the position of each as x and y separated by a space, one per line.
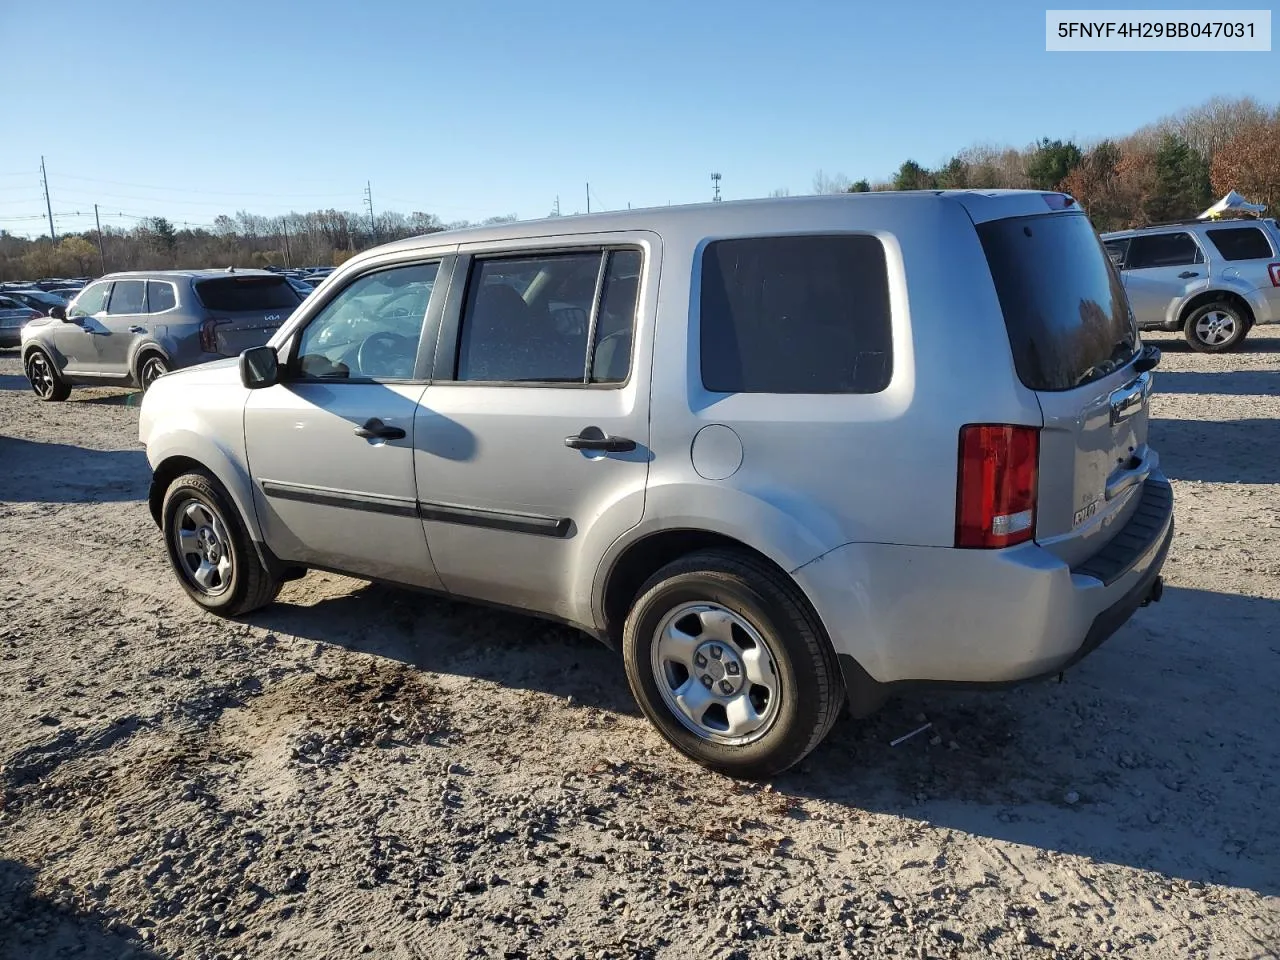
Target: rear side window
244 294
796 315
1241 243
1163 250
1063 303
160 296
126 297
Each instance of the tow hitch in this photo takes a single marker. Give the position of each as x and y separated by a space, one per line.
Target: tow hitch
1156 592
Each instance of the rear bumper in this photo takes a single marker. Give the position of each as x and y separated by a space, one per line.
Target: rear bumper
916 615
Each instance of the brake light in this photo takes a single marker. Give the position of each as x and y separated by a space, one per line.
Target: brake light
1273 271
209 336
996 492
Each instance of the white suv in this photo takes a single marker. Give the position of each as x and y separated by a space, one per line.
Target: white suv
787 454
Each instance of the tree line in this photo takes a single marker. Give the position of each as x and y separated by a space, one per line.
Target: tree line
1170 169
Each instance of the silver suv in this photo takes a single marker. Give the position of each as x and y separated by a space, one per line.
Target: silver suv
127 329
1211 279
786 454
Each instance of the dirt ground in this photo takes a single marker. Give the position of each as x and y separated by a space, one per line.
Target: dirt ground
358 770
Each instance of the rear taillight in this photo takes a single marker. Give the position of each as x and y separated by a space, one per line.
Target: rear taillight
996 495
209 336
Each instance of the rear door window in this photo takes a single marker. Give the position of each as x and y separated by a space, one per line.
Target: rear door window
1163 250
160 296
244 294
1241 243
126 297
799 314
1063 303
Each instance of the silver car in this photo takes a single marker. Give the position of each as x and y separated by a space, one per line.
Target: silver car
1210 279
127 329
787 455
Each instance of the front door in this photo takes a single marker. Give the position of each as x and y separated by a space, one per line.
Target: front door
330 448
532 440
76 337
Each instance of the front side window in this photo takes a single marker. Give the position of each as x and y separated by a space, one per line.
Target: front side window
1163 250
803 314
126 297
160 296
91 301
369 330
530 319
1241 243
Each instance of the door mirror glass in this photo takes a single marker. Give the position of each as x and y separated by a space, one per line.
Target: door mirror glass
259 367
59 312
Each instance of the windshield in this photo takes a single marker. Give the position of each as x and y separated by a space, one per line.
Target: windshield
1064 305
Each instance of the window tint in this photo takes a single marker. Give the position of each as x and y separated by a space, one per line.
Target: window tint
370 329
796 315
160 296
611 356
1241 243
1063 303
1116 251
527 318
248 293
1163 250
90 301
126 297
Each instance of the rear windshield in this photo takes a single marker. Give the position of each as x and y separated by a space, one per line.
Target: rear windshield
235 294
1064 306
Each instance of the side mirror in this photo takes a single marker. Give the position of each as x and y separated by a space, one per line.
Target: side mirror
59 313
259 367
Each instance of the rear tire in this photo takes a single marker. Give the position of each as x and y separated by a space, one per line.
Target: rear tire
42 374
210 549
1215 327
722 619
150 367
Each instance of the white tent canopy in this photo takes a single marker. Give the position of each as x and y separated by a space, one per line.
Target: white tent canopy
1232 205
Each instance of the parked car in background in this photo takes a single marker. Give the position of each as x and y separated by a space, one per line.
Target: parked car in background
1210 279
303 288
853 443
127 329
13 314
37 300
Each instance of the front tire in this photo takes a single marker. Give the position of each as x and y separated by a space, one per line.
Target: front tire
46 382
1216 327
211 551
726 658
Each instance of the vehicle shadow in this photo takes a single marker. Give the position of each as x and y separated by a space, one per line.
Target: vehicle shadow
38 929
1138 767
435 633
1235 383
1256 342
1211 450
35 472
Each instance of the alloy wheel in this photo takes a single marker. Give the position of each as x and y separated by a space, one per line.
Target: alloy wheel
203 547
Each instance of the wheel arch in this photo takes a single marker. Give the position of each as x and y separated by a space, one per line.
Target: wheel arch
1231 297
140 354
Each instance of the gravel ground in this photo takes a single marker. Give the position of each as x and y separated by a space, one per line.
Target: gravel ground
362 770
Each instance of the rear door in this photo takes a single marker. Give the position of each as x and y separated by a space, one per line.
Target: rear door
1074 343
1250 255
245 309
124 325
1161 269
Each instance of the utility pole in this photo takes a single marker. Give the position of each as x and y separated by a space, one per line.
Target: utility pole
368 198
102 250
715 179
284 231
44 180
588 198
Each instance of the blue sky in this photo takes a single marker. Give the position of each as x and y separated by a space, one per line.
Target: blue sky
479 108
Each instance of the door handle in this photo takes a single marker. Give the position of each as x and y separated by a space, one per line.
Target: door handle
137 329
1187 274
375 429
593 438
